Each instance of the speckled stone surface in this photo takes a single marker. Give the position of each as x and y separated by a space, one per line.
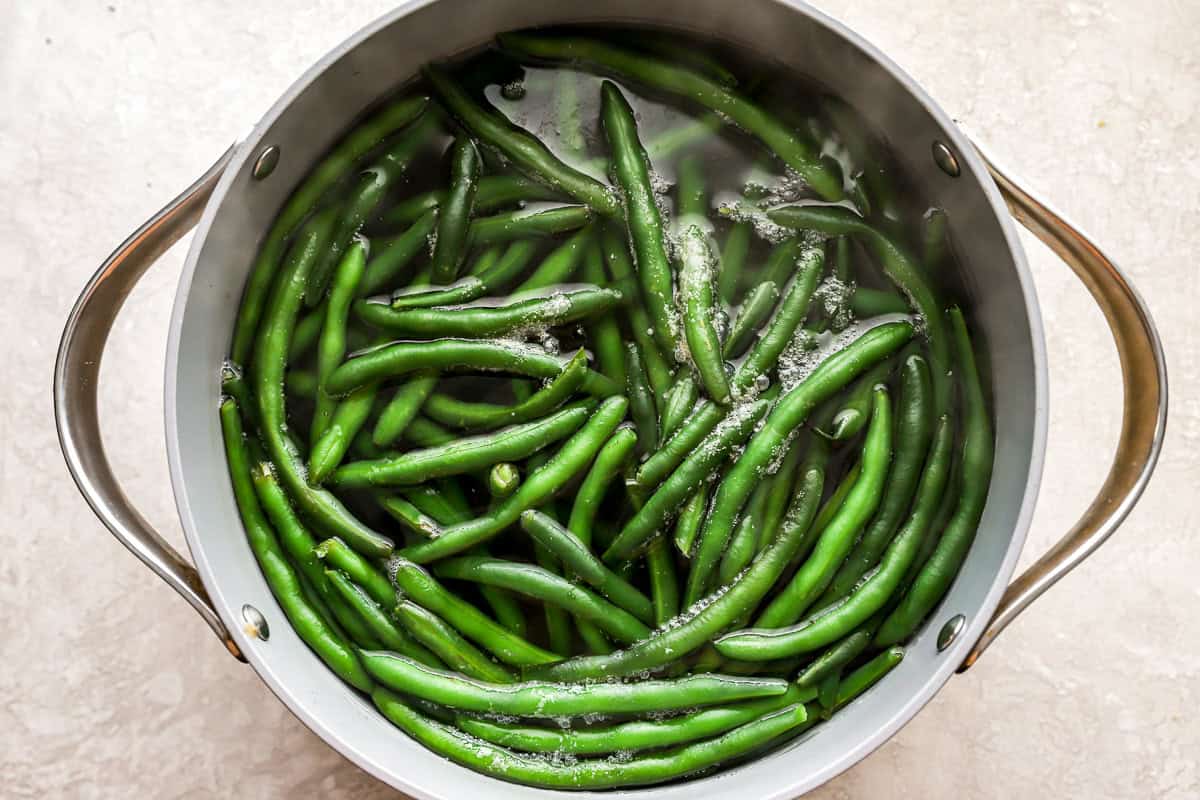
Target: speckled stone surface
110 687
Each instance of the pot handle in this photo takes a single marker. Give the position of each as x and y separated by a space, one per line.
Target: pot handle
1144 418
76 374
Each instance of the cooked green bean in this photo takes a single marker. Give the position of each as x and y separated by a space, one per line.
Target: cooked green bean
978 448
792 409
733 259
412 518
664 584
867 675
834 659
702 623
420 587
462 748
867 303
758 305
560 265
331 346
578 558
483 321
329 646
914 432
303 200
524 150
456 355
604 334
495 191
538 487
403 407
454 215
856 408
490 279
528 223
609 462
658 371
641 400
390 256
458 654
691 193
463 455
678 404
761 358
697 274
503 479
372 186
505 609
684 481
348 419
391 636
785 144
687 526
431 500
642 217
744 541
268 367
539 699
541 584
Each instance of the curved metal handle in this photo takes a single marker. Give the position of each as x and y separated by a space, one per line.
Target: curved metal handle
1143 424
76 373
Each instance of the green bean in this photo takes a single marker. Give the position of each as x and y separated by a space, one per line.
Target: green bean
456 355
758 305
867 303
838 535
308 330
700 624
834 659
383 628
403 407
539 486
329 646
373 184
528 223
899 266
761 358
454 214
412 518
458 654
331 346
775 500
559 633
604 334
390 256
270 362
303 200
491 279
503 479
641 400
914 431
610 462
463 455
578 558
778 138
432 501
856 408
664 585
690 518
484 321
678 404
838 498
744 541
697 271
505 609
349 417
542 584
424 432
619 266
539 699
627 737
495 191
686 479
978 449
420 587
789 412
642 217
520 147
560 265
935 239
462 748
485 416
842 258
869 596
336 552
867 676
691 195
733 259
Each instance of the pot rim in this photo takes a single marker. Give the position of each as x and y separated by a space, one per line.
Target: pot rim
973 168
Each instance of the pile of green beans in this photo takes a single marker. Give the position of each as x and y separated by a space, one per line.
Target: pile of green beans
584 479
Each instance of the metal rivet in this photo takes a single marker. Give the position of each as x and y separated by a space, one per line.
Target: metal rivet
265 164
950 631
946 160
256 623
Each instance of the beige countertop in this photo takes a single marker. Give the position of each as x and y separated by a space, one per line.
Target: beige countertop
111 687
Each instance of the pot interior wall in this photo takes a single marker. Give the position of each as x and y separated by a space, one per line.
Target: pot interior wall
315 112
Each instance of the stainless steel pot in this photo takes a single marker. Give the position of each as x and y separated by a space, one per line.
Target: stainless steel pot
237 198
